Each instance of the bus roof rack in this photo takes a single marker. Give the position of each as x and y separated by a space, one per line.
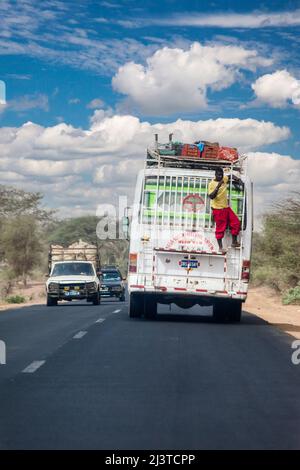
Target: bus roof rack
155 160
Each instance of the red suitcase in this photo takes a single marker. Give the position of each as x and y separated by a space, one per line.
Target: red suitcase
190 150
210 151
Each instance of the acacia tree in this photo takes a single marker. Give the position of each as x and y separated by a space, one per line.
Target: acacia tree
15 202
21 244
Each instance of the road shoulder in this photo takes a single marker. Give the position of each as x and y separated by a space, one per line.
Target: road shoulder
266 304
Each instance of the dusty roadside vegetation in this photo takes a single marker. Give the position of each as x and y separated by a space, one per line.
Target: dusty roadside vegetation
32 294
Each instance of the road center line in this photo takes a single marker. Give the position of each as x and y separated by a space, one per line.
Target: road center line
33 367
80 334
117 311
100 320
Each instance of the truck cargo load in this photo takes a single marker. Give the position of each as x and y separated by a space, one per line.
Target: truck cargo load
74 273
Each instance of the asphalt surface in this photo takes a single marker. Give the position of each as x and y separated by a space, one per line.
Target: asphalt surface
178 382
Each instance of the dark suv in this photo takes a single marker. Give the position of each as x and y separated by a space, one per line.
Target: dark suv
112 284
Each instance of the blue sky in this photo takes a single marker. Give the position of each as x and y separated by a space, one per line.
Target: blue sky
62 61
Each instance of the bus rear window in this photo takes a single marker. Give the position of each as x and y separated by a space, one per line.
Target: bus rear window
182 201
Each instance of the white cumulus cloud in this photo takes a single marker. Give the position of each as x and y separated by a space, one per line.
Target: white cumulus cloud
277 89
77 169
275 177
176 80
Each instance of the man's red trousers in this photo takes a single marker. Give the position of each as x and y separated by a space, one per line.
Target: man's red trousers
224 218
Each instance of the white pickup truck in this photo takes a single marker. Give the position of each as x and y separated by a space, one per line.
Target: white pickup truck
174 256
74 273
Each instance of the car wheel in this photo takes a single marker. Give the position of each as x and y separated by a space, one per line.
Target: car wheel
97 299
50 301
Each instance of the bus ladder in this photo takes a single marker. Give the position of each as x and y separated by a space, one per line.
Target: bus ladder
233 251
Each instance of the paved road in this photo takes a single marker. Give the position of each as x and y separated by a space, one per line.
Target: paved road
179 382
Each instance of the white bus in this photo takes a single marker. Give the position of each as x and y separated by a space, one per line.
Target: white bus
174 255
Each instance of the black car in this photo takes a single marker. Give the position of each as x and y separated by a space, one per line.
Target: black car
112 284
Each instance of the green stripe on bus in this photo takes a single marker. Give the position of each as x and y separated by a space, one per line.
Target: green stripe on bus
184 189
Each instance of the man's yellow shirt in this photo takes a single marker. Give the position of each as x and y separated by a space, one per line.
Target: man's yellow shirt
221 200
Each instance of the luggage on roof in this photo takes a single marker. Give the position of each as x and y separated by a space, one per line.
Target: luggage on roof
190 150
198 154
228 153
199 150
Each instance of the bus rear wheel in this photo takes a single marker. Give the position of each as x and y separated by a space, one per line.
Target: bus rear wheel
135 306
235 311
150 307
219 312
227 311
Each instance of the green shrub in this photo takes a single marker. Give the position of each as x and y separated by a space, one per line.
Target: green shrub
268 276
15 299
276 249
291 296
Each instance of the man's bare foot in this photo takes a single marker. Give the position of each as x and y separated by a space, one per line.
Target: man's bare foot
235 243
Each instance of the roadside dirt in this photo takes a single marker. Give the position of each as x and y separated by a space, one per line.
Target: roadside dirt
266 304
261 301
34 294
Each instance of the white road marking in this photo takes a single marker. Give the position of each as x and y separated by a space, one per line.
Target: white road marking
33 367
117 311
80 334
100 320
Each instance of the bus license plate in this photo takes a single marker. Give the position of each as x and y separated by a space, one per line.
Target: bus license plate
189 263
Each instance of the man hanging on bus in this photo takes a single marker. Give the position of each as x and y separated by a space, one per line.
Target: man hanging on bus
222 212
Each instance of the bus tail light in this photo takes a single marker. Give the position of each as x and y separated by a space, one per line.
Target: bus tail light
132 262
246 270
